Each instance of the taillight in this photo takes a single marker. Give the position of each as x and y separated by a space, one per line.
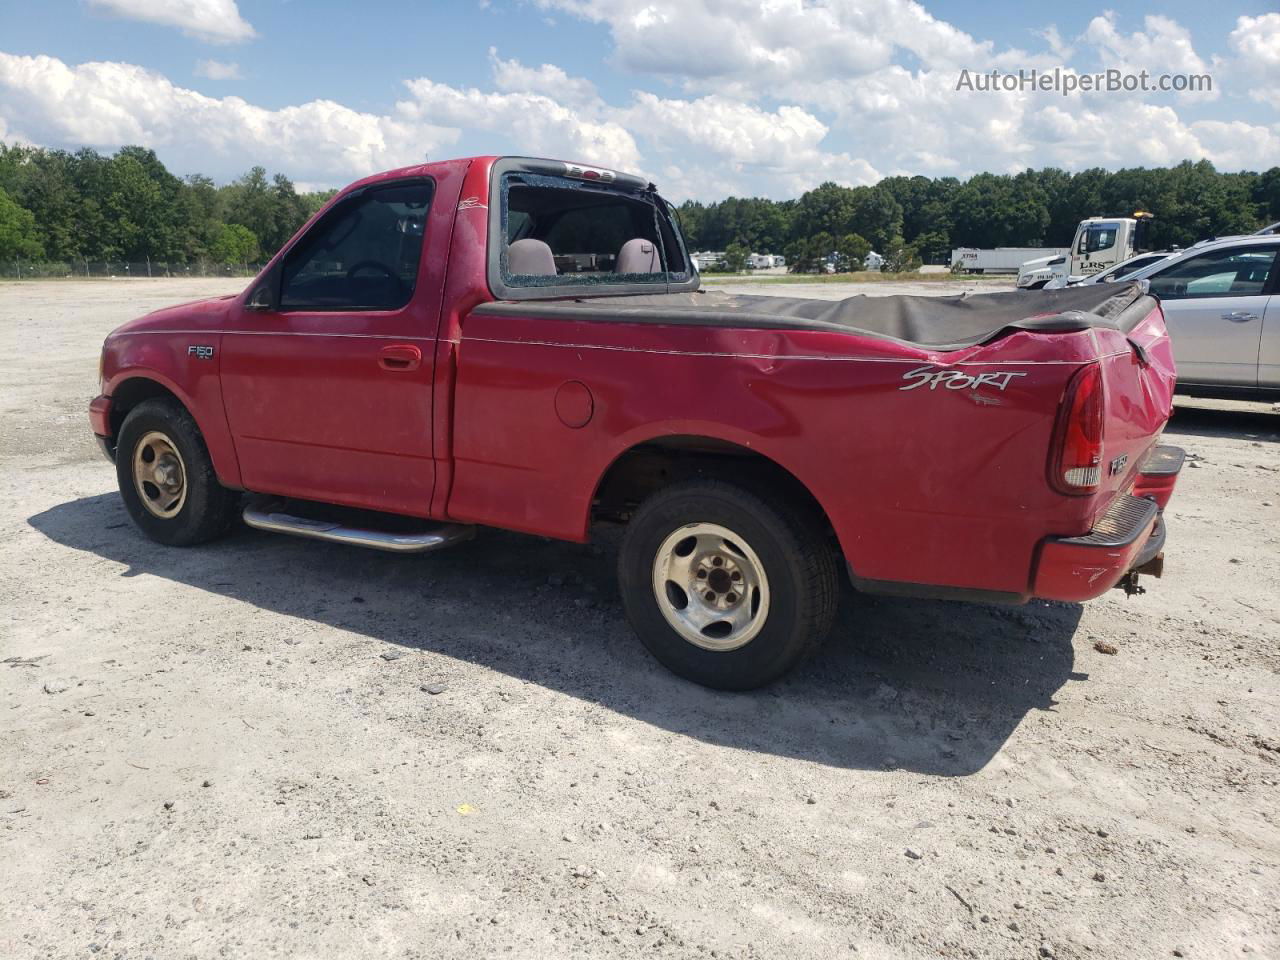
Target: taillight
1075 462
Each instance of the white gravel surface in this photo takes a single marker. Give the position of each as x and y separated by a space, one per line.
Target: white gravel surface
271 747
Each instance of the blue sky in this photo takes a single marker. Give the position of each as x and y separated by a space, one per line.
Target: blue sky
708 97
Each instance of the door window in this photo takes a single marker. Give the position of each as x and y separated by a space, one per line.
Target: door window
1096 238
364 254
1239 272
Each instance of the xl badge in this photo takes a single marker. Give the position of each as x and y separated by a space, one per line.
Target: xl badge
200 352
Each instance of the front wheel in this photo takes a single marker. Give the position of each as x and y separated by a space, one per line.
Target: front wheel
167 478
725 587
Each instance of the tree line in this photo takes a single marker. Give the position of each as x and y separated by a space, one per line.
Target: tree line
62 206
65 207
909 219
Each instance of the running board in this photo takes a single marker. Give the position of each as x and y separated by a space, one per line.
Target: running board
269 516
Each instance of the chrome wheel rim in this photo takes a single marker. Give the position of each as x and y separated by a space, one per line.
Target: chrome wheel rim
710 586
159 475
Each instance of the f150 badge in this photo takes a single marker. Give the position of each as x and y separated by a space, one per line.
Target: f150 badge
200 352
957 379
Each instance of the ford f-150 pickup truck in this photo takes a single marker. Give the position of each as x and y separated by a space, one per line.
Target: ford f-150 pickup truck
524 344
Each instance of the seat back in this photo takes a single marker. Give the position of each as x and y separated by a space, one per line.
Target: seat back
638 256
530 258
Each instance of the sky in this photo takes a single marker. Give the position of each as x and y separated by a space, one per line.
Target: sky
708 98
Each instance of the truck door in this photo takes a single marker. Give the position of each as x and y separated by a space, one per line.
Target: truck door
327 383
1215 304
1097 247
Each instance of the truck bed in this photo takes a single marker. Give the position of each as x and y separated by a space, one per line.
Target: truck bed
937 323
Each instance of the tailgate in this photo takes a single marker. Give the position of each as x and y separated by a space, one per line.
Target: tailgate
1139 377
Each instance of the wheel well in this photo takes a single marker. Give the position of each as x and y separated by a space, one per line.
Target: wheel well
648 467
132 392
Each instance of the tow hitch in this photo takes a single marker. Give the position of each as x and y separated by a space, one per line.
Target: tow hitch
1129 582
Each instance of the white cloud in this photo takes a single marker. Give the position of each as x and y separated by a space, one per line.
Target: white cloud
770 105
1236 145
106 105
217 21
773 42
1256 41
526 122
1057 46
217 70
1165 48
783 145
514 77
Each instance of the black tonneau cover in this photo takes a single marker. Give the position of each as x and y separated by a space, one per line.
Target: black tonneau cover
940 323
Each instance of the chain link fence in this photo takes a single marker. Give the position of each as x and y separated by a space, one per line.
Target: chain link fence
29 270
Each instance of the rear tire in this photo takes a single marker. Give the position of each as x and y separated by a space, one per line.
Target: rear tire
726 587
167 478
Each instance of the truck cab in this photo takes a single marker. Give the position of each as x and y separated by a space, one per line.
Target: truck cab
1100 243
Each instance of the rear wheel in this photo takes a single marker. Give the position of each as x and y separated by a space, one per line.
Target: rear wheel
724 587
167 478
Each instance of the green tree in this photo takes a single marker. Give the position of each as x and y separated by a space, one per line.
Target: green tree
235 243
735 257
900 257
18 237
851 253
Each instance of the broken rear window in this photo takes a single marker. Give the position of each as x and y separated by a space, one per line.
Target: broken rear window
564 232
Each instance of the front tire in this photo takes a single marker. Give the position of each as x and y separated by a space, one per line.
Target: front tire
725 587
167 479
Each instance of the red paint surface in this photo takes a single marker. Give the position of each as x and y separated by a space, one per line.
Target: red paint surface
944 487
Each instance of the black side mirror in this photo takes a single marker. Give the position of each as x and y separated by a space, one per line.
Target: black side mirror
266 295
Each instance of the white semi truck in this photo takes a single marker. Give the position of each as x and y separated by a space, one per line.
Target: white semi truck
998 259
1100 243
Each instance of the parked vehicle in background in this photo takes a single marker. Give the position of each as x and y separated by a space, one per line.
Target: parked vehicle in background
999 259
1221 302
415 364
1100 243
1120 271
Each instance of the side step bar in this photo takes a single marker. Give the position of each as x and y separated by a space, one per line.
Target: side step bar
269 516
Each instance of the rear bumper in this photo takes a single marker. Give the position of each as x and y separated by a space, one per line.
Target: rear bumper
1130 535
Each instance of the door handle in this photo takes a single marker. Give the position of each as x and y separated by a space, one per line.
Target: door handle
1239 316
400 357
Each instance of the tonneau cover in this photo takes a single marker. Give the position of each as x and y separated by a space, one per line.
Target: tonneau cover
940 323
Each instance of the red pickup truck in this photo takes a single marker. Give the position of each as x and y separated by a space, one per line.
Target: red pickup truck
519 343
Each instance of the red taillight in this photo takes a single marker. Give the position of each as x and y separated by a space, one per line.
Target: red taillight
1075 462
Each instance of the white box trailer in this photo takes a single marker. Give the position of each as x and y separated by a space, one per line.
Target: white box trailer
1000 259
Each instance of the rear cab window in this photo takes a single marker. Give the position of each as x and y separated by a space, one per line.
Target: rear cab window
561 230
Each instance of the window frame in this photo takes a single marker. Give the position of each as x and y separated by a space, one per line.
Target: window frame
1093 230
1268 288
625 185
333 210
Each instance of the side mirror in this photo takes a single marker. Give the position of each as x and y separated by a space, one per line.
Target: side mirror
266 295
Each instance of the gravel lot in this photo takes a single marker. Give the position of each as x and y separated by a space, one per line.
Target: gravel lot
240 750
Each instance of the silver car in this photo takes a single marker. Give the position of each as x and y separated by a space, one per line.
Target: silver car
1119 271
1221 302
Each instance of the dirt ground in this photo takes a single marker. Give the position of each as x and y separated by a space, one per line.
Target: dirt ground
233 750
